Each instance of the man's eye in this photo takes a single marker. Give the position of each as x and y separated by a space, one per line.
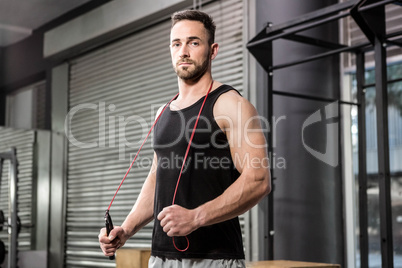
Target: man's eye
175 45
194 44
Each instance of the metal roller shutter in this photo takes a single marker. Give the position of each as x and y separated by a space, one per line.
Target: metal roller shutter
115 92
23 141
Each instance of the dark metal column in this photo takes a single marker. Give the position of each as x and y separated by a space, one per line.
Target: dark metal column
373 25
270 115
383 153
363 217
370 16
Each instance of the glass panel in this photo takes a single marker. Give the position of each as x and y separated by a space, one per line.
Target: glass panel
373 229
355 164
371 132
369 76
395 144
396 190
394 72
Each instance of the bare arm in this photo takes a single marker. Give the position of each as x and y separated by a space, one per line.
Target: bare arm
249 152
141 214
247 143
143 210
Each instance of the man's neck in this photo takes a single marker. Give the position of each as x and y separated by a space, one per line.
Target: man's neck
191 89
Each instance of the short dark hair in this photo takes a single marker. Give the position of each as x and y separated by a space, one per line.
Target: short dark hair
200 16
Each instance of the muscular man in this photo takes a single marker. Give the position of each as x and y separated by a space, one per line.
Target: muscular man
226 172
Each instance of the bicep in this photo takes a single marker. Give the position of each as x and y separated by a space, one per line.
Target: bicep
151 178
246 139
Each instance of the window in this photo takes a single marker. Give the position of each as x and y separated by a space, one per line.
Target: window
394 72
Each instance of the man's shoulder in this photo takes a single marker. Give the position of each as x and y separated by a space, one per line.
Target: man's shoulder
231 97
231 103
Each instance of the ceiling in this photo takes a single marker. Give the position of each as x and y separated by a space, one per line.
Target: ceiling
18 18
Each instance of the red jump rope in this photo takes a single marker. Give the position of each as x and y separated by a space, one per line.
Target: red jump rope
108 219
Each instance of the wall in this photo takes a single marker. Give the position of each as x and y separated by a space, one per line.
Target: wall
308 215
2 96
106 23
23 62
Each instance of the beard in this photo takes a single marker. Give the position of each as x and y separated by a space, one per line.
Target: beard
193 72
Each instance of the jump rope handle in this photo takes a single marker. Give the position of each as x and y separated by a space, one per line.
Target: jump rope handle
109 227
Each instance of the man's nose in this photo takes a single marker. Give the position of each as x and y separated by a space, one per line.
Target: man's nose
184 52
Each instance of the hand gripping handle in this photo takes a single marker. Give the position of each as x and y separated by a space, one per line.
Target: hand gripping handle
109 227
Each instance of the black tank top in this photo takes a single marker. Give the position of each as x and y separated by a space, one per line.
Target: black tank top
208 172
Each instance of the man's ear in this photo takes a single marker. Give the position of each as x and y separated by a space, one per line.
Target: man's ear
214 50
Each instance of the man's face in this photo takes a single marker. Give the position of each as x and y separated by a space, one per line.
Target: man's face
191 54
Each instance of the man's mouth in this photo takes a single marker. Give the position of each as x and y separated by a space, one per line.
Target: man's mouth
184 63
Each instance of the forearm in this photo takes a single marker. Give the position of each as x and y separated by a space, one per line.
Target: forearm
140 215
241 196
142 212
